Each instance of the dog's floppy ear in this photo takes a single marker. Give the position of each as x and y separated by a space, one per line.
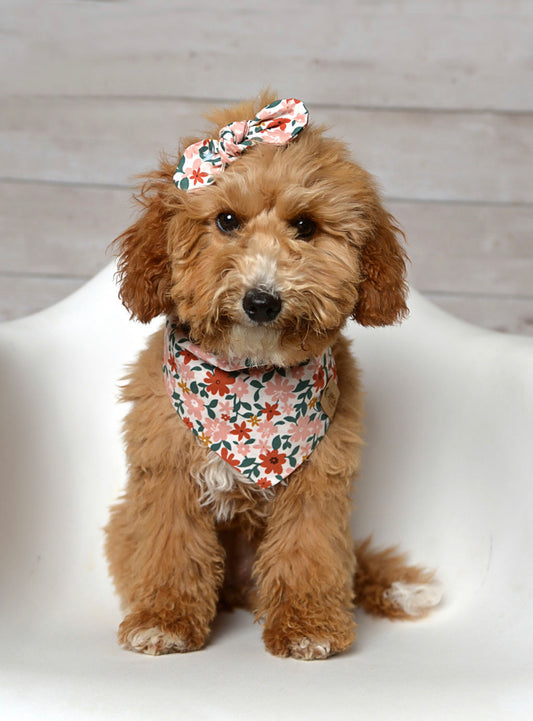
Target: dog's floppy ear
383 288
143 261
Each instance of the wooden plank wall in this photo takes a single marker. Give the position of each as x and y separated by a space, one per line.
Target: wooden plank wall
435 99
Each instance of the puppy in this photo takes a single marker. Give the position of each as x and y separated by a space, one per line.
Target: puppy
244 433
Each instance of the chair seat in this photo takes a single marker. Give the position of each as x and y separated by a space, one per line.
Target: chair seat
447 473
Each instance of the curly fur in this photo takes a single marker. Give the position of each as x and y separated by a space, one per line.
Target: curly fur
186 538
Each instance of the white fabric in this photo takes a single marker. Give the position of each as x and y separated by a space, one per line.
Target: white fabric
447 472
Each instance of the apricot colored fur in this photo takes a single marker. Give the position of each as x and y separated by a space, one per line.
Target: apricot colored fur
288 555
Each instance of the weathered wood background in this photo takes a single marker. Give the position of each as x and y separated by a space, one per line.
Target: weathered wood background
435 98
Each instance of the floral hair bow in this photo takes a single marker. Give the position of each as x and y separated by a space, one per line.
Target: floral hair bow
277 123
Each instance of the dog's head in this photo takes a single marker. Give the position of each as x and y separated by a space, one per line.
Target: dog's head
270 260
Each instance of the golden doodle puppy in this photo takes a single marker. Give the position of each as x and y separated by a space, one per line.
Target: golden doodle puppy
244 434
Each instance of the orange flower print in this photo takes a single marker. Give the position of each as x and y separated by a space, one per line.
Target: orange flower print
273 461
271 410
186 355
280 123
264 483
172 364
197 176
229 457
319 378
241 431
218 382
188 423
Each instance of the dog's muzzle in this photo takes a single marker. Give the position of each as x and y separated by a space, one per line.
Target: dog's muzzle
261 306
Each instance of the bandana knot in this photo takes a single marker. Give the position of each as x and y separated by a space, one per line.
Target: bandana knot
277 123
263 421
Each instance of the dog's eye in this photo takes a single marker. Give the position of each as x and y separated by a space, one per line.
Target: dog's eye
228 222
304 226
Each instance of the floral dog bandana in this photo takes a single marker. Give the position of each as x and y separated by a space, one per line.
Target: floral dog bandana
277 123
263 421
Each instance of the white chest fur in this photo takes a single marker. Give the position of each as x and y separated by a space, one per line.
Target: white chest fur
221 485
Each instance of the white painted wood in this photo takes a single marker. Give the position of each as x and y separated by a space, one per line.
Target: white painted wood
54 229
469 248
64 230
416 155
391 53
92 91
508 315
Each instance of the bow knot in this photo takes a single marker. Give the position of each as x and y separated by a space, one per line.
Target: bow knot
277 123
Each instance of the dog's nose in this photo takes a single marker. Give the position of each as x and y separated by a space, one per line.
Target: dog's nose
261 306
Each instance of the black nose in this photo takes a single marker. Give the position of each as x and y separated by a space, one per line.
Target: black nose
261 306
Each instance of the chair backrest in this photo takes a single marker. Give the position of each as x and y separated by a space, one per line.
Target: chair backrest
447 469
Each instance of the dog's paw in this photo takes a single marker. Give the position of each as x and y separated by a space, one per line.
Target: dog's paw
310 649
154 641
310 636
149 634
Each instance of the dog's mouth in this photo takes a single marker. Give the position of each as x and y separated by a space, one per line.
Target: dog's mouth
262 332
264 324
267 333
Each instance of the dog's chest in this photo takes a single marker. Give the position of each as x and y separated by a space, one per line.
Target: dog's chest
226 492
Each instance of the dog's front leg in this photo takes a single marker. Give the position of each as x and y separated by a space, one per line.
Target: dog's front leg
167 564
305 569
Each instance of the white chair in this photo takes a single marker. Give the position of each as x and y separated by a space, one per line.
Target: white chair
448 473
